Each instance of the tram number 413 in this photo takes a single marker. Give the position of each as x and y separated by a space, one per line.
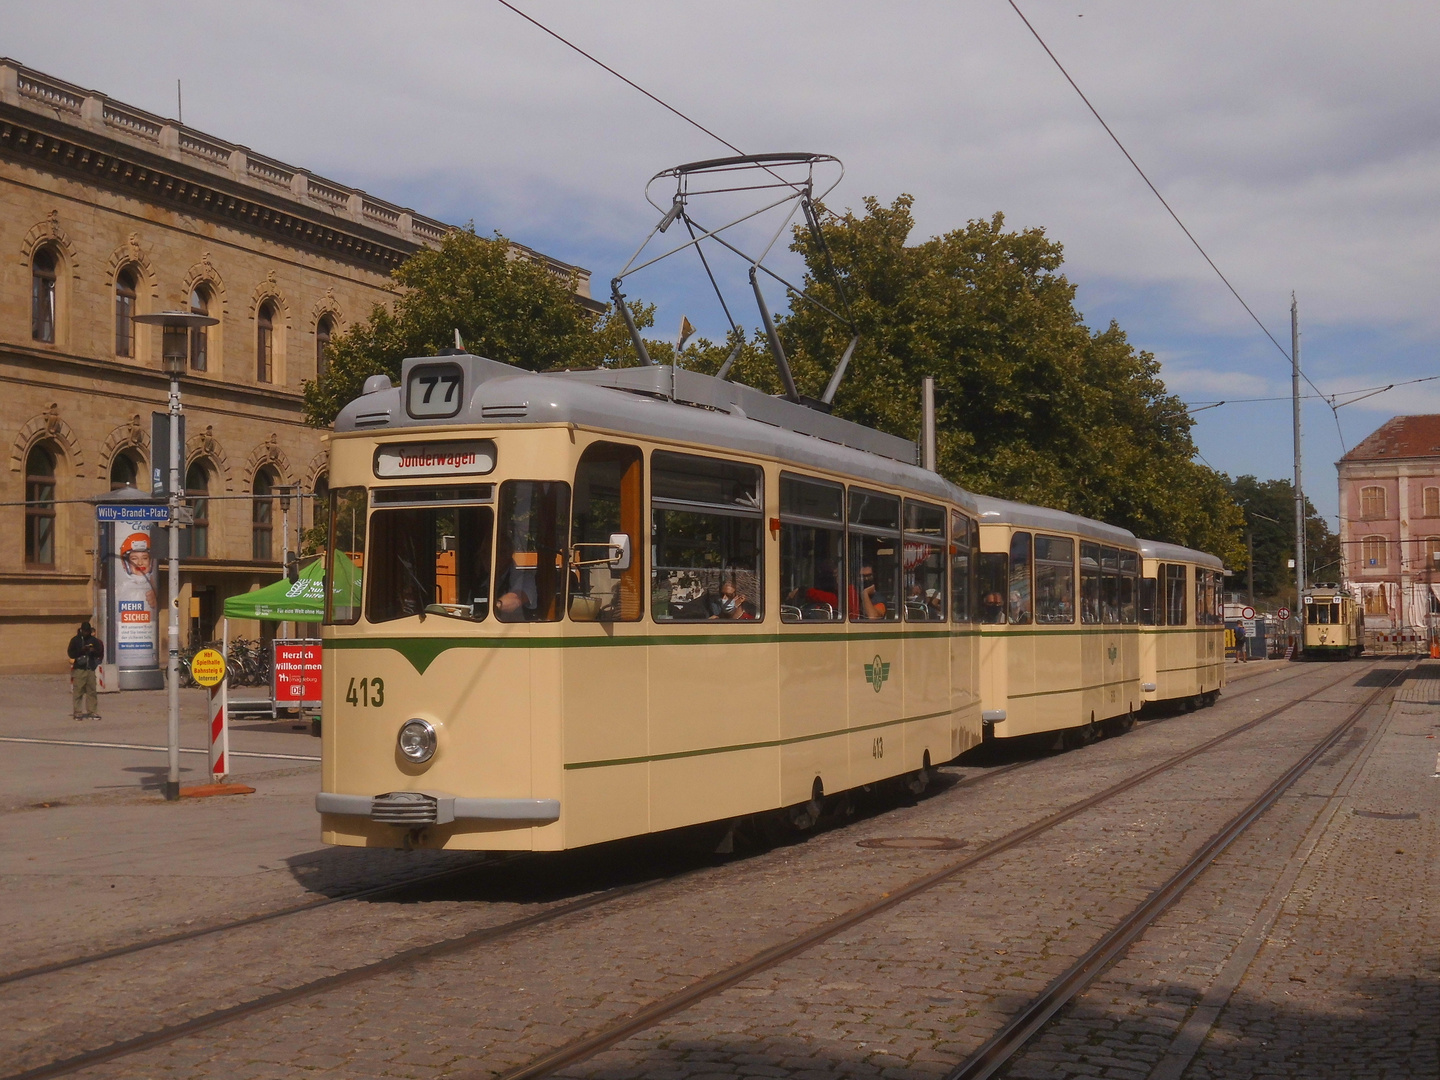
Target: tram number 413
366 693
877 747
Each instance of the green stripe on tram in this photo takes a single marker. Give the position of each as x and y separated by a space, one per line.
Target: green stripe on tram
422 651
766 744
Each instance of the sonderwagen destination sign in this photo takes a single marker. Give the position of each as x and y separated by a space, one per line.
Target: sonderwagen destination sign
473 457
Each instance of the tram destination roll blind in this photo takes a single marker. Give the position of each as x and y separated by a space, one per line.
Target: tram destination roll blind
469 457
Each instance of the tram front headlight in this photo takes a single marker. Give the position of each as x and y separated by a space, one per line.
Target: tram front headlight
417 741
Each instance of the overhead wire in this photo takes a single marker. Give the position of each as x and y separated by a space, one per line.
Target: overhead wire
1156 192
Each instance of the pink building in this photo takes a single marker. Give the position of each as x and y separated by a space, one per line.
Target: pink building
1390 522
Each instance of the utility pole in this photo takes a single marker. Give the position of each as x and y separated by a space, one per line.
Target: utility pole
1299 488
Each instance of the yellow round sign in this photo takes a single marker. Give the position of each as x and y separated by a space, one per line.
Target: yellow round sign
207 667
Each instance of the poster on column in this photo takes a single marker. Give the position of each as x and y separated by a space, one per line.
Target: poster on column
133 582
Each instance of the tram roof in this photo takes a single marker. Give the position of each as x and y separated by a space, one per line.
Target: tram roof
657 402
1003 511
1156 549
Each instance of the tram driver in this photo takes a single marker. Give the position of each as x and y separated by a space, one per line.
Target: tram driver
517 597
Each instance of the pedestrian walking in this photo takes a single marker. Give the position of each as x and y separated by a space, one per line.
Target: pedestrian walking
1242 654
86 653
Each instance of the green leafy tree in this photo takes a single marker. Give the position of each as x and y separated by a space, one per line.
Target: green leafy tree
1031 404
507 308
1269 509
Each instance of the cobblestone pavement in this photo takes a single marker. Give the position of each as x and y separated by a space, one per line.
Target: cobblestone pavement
1310 949
912 989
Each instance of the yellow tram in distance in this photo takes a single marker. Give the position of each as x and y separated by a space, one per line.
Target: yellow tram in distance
599 604
1331 617
1182 624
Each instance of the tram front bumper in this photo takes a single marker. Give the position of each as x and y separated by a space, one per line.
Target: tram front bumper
413 809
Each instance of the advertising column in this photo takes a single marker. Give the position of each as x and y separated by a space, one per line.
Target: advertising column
132 588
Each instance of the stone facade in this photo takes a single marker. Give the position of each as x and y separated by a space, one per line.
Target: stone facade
1390 521
99 201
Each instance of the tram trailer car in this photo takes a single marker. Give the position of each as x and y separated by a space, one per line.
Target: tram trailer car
1059 652
1332 623
1182 624
597 604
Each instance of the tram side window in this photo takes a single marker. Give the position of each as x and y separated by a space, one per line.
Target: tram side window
1110 585
1054 580
706 523
429 560
812 549
531 550
924 562
1147 601
607 501
345 567
961 568
1174 577
1129 571
1205 597
1021 609
994 579
1089 583
873 557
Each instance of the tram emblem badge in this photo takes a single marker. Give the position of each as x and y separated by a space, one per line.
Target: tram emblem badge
1114 652
876 672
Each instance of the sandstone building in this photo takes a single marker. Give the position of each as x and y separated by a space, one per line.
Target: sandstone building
108 212
1390 522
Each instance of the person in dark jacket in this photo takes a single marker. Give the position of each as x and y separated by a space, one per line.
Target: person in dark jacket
87 654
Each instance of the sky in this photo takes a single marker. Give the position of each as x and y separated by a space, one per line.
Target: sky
1298 142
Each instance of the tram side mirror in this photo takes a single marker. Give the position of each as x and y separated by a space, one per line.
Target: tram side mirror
619 551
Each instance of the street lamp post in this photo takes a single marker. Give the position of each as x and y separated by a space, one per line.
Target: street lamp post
175 352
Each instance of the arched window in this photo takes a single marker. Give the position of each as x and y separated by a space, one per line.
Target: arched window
1432 502
125 283
40 507
1372 503
124 471
1372 552
324 329
262 516
265 342
195 541
199 342
43 271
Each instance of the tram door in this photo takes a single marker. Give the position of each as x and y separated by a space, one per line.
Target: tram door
606 714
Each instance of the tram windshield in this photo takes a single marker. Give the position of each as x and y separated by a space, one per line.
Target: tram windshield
429 560
1319 614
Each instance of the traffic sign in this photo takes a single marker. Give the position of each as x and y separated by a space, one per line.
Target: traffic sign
207 667
1247 613
132 512
1283 613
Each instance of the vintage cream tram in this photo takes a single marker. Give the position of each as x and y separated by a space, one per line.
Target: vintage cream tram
570 607
1182 624
1331 617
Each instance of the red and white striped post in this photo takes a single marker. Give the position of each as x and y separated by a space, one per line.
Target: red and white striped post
209 670
219 733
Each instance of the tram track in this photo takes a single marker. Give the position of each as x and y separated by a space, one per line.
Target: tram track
408 958
1005 1044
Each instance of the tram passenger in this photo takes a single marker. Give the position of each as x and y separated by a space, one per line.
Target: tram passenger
730 603
867 602
992 608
